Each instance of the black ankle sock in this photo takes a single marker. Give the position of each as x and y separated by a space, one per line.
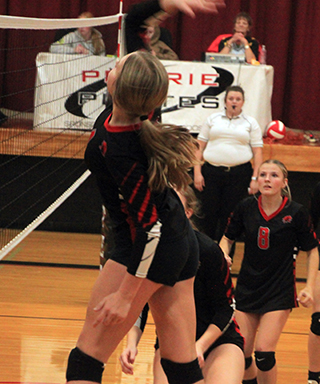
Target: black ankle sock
251 381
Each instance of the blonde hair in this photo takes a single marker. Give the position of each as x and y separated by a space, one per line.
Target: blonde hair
141 87
97 42
286 190
192 202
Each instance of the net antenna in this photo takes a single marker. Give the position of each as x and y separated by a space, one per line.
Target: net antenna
41 157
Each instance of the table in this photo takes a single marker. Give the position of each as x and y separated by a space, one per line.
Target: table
70 90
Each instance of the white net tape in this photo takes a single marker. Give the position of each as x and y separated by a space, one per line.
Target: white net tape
16 22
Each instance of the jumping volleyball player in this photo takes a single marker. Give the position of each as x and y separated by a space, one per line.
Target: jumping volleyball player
154 258
265 292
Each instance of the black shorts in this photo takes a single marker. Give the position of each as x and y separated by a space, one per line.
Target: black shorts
231 336
174 260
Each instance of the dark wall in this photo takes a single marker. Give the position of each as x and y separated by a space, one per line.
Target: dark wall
29 185
81 212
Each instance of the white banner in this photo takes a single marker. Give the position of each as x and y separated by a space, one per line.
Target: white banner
70 91
197 90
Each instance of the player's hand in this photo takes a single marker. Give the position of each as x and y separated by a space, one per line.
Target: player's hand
191 7
305 297
127 359
112 309
200 355
198 182
229 260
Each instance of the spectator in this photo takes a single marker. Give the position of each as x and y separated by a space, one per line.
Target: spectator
141 24
241 41
152 37
85 40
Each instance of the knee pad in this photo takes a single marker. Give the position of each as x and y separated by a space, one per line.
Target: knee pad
248 362
265 360
315 323
84 367
177 373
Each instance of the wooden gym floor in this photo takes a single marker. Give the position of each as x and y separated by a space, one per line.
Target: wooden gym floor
42 308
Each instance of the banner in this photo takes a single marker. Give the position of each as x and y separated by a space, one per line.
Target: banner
71 91
198 89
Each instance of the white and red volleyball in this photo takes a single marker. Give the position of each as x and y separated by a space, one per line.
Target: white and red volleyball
276 129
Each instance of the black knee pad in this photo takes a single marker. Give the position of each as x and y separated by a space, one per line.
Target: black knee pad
265 360
186 373
315 323
84 367
248 362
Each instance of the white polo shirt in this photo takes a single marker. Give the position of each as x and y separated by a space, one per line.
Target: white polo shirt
230 141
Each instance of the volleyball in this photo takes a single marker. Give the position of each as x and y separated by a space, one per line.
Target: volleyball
276 129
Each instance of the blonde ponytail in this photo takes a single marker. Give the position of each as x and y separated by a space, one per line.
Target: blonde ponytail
171 153
141 87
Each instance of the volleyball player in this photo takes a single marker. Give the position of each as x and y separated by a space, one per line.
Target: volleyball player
265 292
314 338
155 256
314 332
219 342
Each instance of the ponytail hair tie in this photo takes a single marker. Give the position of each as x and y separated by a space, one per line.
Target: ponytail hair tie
143 117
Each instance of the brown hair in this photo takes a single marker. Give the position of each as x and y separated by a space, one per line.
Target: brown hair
192 202
244 15
141 87
234 88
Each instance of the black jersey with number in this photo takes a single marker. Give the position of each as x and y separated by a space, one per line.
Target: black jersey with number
140 218
266 279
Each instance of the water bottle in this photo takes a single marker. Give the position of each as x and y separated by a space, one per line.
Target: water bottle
263 55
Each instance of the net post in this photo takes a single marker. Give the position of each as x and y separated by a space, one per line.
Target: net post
119 48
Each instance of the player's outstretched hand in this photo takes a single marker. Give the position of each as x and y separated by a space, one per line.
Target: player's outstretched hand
191 7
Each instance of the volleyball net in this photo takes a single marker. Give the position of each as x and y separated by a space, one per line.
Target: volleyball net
48 105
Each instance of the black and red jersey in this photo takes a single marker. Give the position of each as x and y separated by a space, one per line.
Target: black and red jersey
213 288
140 218
213 292
266 279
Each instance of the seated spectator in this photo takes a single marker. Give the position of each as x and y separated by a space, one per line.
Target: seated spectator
152 37
142 32
241 42
85 40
